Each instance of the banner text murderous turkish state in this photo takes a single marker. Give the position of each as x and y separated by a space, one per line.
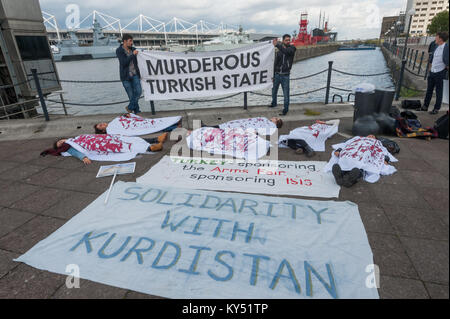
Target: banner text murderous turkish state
175 75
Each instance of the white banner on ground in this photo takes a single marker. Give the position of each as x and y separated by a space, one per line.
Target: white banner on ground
262 177
183 243
135 125
171 75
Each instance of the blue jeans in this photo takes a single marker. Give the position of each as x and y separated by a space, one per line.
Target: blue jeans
284 81
134 91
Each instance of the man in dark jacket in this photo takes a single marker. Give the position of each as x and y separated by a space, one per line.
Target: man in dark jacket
129 72
284 59
438 51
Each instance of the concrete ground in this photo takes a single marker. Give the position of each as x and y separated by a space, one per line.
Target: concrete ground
406 215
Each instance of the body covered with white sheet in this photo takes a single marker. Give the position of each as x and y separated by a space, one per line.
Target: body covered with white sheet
259 124
106 147
236 142
135 125
364 153
315 135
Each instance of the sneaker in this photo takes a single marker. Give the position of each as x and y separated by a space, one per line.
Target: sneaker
163 137
434 112
352 177
423 109
309 151
299 150
337 173
156 147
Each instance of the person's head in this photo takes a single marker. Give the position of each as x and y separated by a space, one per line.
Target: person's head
277 121
127 40
372 136
441 37
100 128
58 143
286 39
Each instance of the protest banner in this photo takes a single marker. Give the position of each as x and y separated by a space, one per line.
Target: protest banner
172 75
184 243
262 177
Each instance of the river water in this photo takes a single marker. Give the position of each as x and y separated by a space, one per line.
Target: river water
357 62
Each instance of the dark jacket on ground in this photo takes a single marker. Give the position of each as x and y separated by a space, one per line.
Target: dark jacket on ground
124 63
284 59
432 47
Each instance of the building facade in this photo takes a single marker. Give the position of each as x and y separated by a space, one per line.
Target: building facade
426 10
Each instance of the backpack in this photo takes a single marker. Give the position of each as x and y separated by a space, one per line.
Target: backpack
441 126
411 104
390 145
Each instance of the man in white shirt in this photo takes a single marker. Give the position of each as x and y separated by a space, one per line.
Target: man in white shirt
438 72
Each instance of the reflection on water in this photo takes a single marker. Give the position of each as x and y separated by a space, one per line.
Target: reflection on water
358 62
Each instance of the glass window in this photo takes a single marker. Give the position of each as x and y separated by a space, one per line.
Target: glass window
33 47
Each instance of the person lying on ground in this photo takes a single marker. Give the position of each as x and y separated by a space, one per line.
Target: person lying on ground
105 147
256 123
235 142
134 125
313 135
360 157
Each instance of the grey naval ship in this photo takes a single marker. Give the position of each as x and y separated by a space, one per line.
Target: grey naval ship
71 50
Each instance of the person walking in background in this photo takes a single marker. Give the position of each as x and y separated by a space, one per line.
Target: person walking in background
129 72
439 71
284 58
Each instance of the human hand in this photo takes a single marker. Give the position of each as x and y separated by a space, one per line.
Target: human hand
337 153
86 161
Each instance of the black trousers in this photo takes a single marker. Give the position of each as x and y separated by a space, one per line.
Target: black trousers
435 80
296 143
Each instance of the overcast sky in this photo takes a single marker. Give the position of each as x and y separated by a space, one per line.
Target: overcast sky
352 19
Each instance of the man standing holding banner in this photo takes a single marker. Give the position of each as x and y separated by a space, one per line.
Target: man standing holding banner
283 63
129 72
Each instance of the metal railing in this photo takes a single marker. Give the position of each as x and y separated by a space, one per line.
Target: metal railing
43 99
411 57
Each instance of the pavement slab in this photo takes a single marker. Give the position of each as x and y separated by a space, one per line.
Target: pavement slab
430 258
89 290
405 215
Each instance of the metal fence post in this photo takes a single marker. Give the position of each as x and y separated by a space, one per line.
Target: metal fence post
400 80
330 69
152 105
421 60
63 104
415 59
245 100
41 96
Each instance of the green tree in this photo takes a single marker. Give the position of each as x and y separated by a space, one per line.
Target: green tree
439 23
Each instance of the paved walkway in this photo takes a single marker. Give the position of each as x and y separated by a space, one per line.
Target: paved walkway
405 215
